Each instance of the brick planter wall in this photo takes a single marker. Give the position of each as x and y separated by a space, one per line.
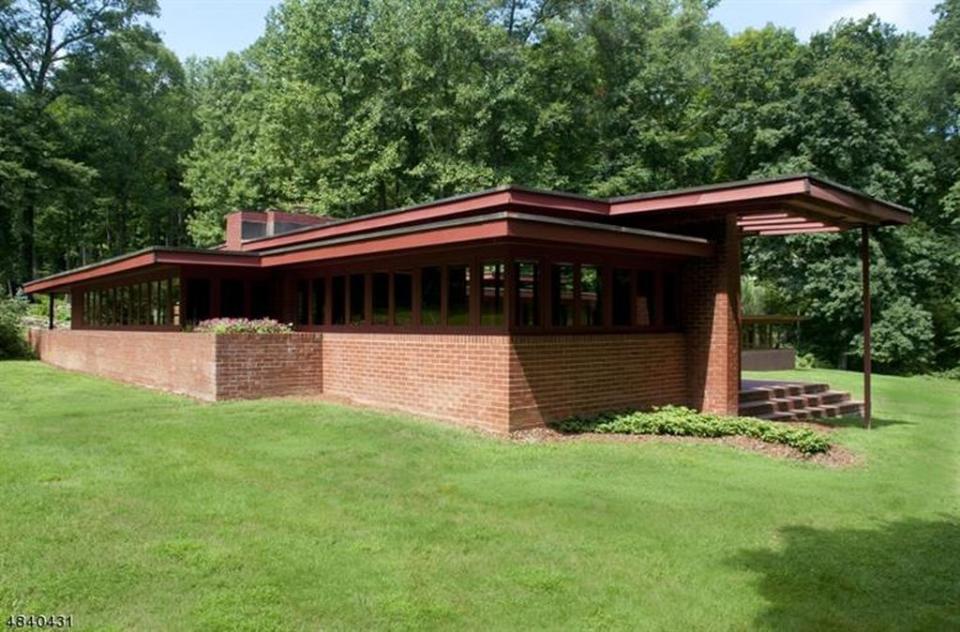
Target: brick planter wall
205 366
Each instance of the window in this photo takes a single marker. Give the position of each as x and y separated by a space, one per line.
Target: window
491 297
319 307
430 281
645 305
338 301
232 299
591 296
621 297
671 299
160 291
526 294
260 299
458 295
403 298
561 295
381 298
146 307
303 302
198 300
173 289
358 299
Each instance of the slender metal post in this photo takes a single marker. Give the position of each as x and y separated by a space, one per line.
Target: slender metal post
50 311
865 269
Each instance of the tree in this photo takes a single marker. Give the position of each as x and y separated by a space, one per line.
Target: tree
36 39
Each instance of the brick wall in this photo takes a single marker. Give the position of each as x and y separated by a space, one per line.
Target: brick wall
494 382
711 291
252 366
205 366
172 361
553 377
463 379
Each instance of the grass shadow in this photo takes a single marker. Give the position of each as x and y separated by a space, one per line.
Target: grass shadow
857 422
903 575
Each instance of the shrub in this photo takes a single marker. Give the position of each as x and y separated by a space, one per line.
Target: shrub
242 326
13 343
680 421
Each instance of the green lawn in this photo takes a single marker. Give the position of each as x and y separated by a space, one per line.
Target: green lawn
133 509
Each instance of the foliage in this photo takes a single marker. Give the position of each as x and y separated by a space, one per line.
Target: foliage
13 342
288 514
242 326
685 422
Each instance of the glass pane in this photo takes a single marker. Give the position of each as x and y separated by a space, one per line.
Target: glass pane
175 305
260 301
303 302
198 300
381 298
491 298
162 302
319 315
403 298
645 306
527 293
430 279
621 297
146 308
561 294
591 296
458 295
358 299
338 300
232 299
671 298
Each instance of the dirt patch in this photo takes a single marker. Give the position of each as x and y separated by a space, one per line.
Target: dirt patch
836 457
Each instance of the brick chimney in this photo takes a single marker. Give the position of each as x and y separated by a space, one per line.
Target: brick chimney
245 225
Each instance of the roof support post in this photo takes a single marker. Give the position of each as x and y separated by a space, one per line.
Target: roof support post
865 269
50 311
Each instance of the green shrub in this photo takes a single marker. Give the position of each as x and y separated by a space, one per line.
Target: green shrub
13 342
242 326
684 422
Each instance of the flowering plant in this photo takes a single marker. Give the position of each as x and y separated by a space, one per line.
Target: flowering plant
242 326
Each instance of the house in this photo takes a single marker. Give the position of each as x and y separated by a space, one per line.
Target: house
503 309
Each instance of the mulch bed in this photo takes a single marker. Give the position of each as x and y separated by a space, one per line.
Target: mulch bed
836 457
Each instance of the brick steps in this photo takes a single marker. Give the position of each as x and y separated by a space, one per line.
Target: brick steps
795 402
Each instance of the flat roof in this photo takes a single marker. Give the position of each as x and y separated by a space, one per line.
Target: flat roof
771 206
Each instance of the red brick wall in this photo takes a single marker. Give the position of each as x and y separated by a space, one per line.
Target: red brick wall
251 366
553 377
204 366
172 361
463 379
711 312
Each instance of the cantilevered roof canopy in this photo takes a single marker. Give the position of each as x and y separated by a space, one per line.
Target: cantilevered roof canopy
784 205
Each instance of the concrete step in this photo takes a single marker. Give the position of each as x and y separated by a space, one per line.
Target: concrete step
793 402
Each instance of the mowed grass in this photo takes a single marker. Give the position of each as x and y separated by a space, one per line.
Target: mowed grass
131 509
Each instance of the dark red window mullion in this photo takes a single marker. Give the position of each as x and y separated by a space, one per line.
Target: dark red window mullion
508 274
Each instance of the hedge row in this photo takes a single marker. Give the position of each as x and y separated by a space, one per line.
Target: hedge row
684 422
